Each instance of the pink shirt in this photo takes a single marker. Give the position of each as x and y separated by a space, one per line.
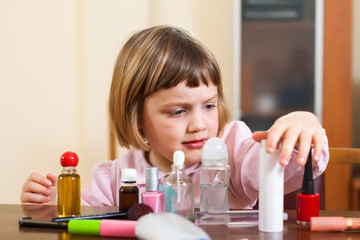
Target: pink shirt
243 160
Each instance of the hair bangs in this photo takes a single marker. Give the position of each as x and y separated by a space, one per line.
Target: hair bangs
187 61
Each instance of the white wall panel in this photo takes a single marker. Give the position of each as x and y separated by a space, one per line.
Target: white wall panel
38 89
56 64
105 29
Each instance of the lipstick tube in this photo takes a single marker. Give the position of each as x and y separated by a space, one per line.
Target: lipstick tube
307 200
334 223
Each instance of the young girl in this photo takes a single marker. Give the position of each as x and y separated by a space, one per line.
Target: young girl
167 95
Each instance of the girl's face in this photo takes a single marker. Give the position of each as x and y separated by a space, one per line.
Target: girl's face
180 118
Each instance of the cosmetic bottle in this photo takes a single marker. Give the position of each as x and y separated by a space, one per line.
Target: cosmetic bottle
307 200
69 186
214 177
128 192
152 196
179 189
271 191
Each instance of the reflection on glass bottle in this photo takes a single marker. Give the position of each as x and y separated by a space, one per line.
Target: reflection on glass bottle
64 236
179 189
214 177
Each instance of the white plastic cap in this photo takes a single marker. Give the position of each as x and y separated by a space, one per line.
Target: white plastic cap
128 175
214 151
178 158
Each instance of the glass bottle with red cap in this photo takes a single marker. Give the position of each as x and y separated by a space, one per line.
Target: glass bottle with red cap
69 186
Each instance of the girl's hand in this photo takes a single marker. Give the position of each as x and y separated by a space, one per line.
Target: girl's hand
39 189
297 129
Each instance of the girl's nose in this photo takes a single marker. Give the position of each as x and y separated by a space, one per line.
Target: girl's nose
196 123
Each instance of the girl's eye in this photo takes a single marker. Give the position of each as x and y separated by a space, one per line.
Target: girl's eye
210 106
177 113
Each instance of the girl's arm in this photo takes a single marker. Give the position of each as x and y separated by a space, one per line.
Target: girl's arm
100 191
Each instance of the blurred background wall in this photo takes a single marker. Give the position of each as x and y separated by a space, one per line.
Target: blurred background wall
56 64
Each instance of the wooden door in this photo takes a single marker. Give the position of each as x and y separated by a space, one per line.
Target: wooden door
337 110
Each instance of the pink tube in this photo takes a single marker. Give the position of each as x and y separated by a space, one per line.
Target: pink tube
328 224
117 228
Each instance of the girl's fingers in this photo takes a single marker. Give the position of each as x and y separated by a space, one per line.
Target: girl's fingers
318 146
29 197
35 177
287 146
38 189
299 129
33 187
304 148
53 196
259 135
275 135
53 178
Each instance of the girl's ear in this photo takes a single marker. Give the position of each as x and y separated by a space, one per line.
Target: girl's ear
143 136
141 132
139 125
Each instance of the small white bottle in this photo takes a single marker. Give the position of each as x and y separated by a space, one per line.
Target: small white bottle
179 189
214 177
271 191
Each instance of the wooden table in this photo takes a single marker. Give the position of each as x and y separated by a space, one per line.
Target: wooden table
10 214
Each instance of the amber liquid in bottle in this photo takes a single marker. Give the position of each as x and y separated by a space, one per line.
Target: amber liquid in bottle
68 193
128 196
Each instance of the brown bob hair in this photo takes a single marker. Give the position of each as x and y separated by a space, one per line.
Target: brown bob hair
157 58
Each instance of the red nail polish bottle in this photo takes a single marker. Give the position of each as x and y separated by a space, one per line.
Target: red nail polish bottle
307 200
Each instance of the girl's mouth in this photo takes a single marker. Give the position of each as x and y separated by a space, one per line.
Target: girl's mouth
195 144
